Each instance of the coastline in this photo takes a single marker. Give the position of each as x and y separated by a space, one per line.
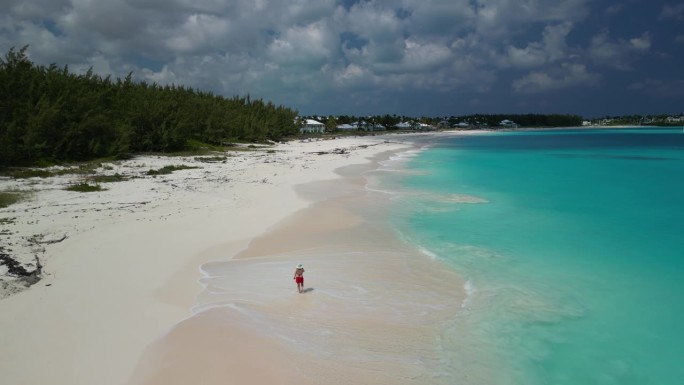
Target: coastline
126 267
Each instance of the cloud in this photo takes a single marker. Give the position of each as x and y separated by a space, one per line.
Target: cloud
550 49
307 53
672 11
507 18
617 53
566 76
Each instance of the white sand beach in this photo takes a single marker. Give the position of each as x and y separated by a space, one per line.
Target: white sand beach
179 278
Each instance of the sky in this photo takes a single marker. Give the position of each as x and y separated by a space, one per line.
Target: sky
434 58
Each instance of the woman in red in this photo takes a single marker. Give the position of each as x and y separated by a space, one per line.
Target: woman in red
299 277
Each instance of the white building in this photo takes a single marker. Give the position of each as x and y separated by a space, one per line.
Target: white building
312 127
508 123
407 125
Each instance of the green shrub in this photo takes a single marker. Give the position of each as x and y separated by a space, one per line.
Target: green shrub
84 187
211 159
168 170
108 178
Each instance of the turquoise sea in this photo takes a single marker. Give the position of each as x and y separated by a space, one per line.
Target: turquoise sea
571 243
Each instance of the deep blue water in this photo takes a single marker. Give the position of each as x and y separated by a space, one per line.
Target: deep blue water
575 262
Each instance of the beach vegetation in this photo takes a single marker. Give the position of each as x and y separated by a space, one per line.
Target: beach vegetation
8 198
169 169
195 147
51 115
108 178
84 187
26 173
85 168
212 159
7 221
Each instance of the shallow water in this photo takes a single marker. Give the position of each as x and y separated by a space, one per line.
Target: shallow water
571 246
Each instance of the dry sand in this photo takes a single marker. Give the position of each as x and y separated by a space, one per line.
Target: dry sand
121 300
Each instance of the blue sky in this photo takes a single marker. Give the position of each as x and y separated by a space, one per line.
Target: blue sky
407 57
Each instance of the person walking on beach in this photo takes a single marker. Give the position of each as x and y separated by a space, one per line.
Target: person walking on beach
299 277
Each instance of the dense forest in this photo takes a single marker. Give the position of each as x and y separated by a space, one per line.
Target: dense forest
50 114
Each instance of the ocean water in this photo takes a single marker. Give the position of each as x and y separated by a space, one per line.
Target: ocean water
571 243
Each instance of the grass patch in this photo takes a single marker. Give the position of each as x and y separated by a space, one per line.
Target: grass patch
8 198
86 168
211 159
168 170
108 178
84 187
25 173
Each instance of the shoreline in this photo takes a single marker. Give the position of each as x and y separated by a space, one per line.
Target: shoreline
122 274
366 293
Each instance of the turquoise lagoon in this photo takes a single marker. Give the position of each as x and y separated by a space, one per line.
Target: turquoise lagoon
571 243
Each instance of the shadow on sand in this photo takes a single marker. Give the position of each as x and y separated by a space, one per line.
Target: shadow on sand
308 289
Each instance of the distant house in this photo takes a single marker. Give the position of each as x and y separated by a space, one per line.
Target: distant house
359 124
404 125
346 127
443 124
372 127
462 125
508 123
408 126
312 127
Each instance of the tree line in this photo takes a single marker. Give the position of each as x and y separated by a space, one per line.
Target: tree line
51 114
474 120
523 120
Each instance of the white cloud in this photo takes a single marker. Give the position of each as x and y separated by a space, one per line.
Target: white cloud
309 46
617 53
507 18
565 76
551 48
531 56
642 43
423 56
351 75
197 34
